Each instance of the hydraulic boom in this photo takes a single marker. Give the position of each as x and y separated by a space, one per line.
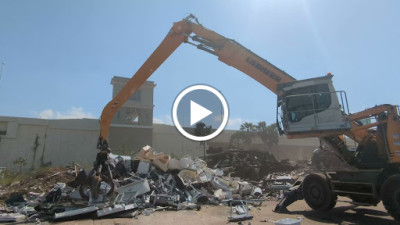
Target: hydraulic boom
190 31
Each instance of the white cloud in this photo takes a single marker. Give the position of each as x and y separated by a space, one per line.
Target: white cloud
234 123
159 121
46 114
74 113
165 119
169 120
218 118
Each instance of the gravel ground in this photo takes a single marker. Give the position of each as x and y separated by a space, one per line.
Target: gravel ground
343 214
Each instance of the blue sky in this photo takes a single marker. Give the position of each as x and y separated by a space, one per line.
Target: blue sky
60 55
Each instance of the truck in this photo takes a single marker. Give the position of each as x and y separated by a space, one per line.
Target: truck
305 108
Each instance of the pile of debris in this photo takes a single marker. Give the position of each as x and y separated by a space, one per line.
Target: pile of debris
250 165
141 185
40 181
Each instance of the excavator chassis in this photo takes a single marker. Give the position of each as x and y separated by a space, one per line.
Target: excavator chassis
363 187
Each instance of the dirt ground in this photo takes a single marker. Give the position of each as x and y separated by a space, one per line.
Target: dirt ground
343 214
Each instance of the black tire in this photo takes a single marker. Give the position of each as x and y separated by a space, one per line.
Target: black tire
390 194
317 193
333 202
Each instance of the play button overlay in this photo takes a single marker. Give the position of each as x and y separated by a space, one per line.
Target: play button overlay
200 112
197 112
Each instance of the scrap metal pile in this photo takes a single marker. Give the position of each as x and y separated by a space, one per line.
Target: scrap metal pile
141 185
251 165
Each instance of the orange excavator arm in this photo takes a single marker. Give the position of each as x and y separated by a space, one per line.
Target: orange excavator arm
227 51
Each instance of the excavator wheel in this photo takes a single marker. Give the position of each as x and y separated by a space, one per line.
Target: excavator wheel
390 194
317 192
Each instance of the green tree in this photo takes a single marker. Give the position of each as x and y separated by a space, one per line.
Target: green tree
248 131
268 134
244 136
202 130
240 138
248 127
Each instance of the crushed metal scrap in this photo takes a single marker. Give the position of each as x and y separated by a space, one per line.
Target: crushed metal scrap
250 164
144 184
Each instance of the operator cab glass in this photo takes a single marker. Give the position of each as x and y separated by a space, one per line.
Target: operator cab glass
312 106
301 104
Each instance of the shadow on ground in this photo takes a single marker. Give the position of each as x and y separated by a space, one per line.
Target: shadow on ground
349 215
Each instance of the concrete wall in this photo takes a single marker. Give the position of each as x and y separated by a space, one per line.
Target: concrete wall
126 140
62 142
296 149
59 142
167 139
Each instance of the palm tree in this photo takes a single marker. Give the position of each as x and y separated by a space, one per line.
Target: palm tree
244 136
248 127
268 134
247 132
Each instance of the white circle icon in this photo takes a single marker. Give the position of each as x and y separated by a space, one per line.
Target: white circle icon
197 109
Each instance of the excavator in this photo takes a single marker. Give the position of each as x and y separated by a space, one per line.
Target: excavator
305 108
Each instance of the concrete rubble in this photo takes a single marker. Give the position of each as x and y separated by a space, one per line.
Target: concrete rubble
153 181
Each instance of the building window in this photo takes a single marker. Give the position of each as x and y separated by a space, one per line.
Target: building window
3 128
137 96
131 116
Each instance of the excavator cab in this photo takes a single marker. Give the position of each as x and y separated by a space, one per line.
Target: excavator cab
312 108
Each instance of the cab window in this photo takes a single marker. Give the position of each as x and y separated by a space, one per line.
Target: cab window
305 101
